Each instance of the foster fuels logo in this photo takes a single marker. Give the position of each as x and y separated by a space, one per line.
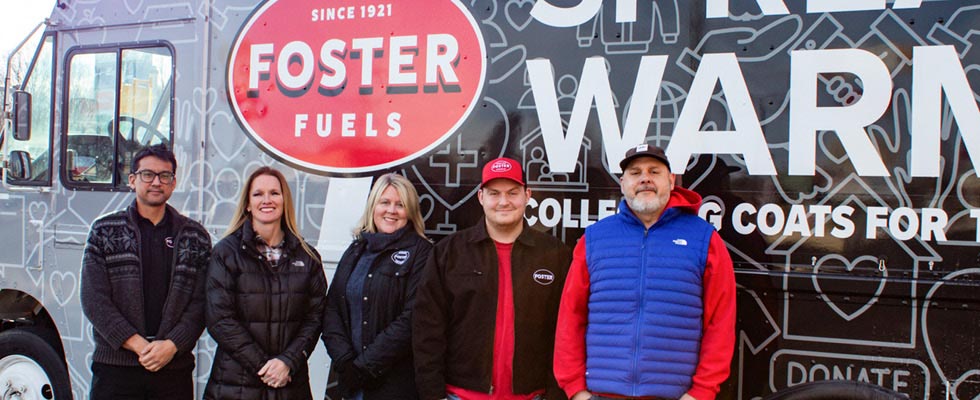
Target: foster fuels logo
501 166
355 86
543 277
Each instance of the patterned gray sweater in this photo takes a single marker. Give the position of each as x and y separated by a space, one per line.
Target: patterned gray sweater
112 287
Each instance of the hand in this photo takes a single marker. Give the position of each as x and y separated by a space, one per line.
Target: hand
157 354
687 397
583 395
275 373
135 344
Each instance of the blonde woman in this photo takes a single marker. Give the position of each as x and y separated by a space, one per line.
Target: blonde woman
368 319
265 298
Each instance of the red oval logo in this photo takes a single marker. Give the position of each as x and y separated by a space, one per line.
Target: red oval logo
500 166
355 86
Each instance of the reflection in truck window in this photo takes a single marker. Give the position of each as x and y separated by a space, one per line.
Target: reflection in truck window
100 143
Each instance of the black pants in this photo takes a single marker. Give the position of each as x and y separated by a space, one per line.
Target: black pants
110 382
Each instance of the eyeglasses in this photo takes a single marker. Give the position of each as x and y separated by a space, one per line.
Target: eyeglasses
147 176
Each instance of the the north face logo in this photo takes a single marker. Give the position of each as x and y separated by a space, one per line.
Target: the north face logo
399 257
543 277
501 166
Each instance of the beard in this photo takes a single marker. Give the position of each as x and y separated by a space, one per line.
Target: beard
643 206
646 204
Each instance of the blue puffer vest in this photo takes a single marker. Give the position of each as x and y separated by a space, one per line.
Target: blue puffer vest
645 303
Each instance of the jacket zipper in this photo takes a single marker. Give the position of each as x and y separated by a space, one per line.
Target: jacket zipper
495 272
638 323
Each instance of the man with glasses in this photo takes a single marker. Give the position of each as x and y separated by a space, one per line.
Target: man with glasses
143 289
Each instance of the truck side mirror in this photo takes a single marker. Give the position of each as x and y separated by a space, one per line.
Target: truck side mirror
19 166
22 115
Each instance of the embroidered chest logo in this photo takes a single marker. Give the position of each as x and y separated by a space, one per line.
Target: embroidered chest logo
399 257
169 241
543 277
680 242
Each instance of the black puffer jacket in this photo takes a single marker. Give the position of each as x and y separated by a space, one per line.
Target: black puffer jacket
385 350
257 313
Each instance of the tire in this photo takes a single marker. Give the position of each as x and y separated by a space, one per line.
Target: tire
836 390
30 369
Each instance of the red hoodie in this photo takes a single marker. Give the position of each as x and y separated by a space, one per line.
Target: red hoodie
718 332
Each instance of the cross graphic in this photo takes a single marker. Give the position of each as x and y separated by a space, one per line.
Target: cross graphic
453 158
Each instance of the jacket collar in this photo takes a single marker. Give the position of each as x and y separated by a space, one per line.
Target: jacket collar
480 233
627 213
377 241
247 235
134 216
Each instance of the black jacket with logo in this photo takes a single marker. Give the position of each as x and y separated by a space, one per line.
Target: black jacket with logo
256 312
385 350
455 312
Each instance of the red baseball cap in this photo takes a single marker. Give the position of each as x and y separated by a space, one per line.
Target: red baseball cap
503 168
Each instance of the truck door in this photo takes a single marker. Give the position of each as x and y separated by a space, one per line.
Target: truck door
27 155
32 362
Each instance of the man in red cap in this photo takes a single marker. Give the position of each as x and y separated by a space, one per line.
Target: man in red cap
485 312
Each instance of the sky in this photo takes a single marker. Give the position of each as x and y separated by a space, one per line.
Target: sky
17 20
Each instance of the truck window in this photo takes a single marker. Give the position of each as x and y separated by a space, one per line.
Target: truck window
36 151
119 100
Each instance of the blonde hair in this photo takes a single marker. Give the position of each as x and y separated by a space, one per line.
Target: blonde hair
406 194
288 212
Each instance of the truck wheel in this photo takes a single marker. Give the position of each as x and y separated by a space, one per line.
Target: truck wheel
30 369
836 390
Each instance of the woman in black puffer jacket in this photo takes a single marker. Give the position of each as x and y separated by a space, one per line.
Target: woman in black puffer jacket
265 298
367 325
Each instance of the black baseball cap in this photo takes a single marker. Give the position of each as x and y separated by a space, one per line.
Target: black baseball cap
644 150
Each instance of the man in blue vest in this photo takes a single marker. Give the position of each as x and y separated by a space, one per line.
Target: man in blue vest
648 308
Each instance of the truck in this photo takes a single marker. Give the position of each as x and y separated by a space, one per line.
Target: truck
835 143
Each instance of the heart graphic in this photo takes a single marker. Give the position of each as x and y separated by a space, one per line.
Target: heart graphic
518 13
946 333
37 211
836 265
204 101
225 136
63 285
